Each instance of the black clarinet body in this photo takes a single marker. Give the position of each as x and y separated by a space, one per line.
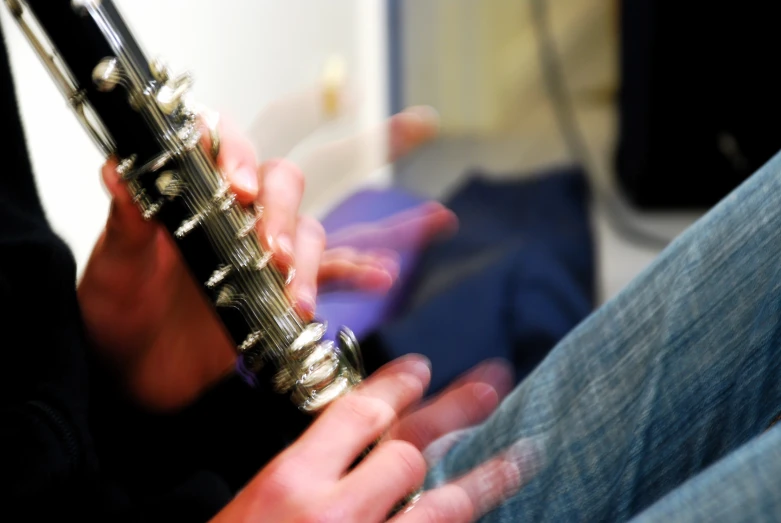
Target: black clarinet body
139 113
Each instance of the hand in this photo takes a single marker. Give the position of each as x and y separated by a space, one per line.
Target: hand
312 480
148 318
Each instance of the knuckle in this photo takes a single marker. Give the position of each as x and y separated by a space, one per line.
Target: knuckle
314 228
280 479
374 413
417 430
409 459
289 171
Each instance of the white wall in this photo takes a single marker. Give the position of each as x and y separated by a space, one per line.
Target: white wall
244 55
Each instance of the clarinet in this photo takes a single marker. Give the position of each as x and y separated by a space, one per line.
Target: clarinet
135 110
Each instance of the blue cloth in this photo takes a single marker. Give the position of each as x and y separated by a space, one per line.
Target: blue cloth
514 280
660 405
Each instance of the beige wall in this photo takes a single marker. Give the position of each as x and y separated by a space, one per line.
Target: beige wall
477 61
244 55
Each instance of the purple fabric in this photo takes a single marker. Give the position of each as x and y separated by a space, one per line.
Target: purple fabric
363 311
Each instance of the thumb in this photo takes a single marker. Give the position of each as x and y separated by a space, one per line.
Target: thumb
126 229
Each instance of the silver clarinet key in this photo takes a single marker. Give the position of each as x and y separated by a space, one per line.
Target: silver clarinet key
228 297
219 276
151 211
126 166
311 334
107 74
252 223
251 340
320 367
223 197
263 261
324 397
160 70
188 225
81 6
169 96
228 202
169 184
140 197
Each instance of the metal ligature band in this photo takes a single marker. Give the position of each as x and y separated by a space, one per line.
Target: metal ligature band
137 111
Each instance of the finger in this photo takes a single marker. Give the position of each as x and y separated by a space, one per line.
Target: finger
479 491
345 275
501 477
237 160
339 166
283 187
412 228
496 372
467 401
310 243
347 268
448 504
126 230
386 476
288 120
369 150
458 409
439 424
410 129
355 421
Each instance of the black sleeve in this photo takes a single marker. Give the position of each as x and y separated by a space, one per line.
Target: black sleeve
70 443
44 440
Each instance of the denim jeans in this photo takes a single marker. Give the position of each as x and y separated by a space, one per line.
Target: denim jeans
659 406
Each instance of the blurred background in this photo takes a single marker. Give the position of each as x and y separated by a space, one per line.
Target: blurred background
591 133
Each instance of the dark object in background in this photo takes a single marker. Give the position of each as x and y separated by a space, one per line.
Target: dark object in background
699 109
514 280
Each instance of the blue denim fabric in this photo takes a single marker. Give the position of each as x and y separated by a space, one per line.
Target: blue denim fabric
657 406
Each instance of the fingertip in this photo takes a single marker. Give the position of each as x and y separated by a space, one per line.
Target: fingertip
499 374
443 218
420 367
402 363
282 247
109 175
244 183
486 396
423 122
375 279
114 184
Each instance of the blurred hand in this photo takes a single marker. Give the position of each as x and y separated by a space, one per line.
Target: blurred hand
147 316
312 480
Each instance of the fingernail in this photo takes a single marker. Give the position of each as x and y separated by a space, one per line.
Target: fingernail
282 247
485 394
421 368
497 375
285 244
247 180
426 113
389 265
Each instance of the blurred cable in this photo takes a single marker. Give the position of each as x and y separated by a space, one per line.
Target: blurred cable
620 216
